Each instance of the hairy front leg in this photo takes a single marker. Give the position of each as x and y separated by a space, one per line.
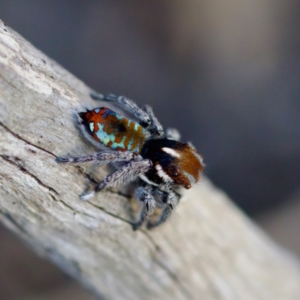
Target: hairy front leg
127 173
155 127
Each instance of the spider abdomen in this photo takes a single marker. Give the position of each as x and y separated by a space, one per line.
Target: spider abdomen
113 130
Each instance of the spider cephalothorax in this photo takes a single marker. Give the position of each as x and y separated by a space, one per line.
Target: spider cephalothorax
173 161
140 150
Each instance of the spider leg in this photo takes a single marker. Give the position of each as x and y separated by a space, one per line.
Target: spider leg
126 104
144 194
127 173
170 199
172 134
155 127
102 157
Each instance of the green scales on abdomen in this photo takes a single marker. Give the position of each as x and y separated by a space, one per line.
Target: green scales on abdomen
114 131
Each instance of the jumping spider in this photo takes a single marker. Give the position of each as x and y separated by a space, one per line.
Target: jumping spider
139 149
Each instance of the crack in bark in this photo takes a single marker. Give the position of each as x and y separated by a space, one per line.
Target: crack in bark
146 233
86 175
71 208
22 139
23 170
185 292
111 214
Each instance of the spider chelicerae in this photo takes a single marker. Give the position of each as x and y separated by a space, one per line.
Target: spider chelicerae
139 150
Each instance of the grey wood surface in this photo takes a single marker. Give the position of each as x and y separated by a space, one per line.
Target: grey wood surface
207 250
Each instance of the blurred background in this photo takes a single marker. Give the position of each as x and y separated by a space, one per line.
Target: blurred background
226 74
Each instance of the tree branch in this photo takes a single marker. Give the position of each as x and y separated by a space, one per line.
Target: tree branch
207 250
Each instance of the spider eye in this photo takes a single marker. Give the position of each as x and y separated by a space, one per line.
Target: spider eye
175 174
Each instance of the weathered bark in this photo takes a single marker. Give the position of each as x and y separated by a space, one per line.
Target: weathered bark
207 250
